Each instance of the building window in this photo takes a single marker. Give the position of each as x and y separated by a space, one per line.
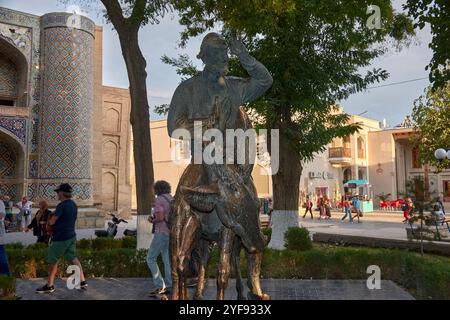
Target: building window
7 102
346 142
416 159
361 148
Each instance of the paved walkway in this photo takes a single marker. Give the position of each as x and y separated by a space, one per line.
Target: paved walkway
367 228
280 289
27 238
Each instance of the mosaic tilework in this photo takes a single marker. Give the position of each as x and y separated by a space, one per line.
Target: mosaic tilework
81 191
20 37
60 101
8 78
66 136
64 19
33 170
35 135
16 126
26 38
8 160
10 190
32 191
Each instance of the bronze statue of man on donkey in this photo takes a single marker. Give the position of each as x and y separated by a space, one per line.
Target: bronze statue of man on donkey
217 201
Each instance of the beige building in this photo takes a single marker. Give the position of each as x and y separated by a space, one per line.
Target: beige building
383 157
344 159
394 162
114 193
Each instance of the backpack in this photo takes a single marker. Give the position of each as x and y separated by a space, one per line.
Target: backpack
171 205
405 207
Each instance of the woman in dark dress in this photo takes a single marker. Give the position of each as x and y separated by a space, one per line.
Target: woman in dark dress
39 223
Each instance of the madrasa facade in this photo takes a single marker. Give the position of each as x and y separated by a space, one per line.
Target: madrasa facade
58 123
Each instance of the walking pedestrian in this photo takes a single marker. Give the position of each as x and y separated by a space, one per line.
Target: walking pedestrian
320 207
327 205
265 206
308 207
8 208
441 205
4 267
160 242
356 204
407 209
347 210
63 237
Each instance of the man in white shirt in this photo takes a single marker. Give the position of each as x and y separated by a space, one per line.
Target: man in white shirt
24 216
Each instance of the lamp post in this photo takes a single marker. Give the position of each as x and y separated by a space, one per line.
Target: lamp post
441 154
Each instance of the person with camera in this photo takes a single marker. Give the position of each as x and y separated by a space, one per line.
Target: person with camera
39 223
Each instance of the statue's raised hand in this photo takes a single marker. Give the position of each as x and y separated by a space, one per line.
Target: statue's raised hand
237 47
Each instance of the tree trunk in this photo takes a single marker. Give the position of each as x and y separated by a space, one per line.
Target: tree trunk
140 122
285 185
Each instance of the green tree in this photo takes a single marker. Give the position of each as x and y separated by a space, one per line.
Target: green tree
128 17
436 13
315 50
431 117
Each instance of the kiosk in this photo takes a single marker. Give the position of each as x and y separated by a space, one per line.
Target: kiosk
366 197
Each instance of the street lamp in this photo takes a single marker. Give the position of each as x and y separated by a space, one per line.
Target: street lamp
441 154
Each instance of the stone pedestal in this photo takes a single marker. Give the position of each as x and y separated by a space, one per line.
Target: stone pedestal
282 220
90 218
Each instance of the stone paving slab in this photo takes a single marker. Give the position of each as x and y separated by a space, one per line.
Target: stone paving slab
278 289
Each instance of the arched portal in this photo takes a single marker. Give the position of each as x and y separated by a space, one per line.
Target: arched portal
13 75
11 166
109 192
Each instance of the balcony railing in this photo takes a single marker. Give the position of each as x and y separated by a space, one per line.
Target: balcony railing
339 152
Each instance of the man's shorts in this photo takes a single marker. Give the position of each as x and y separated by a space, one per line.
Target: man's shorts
58 249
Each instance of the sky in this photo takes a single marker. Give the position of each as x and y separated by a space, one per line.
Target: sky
392 103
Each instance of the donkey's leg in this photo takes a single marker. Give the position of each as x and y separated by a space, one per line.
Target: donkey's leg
254 267
223 274
188 238
204 253
236 257
181 209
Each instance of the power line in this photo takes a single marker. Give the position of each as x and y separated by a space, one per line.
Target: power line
397 83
